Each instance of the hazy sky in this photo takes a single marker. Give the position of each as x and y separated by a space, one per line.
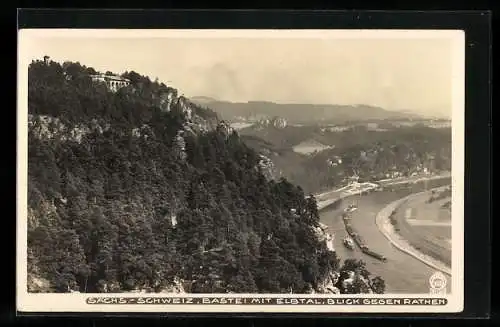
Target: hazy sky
396 74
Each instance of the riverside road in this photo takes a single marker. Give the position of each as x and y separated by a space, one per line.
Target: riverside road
402 273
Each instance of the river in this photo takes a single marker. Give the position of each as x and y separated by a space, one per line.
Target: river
402 273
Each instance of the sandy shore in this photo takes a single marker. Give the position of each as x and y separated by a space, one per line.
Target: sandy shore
382 221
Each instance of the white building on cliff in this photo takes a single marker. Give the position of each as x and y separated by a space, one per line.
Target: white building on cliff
113 82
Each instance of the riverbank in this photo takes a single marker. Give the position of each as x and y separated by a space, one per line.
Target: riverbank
421 248
332 197
382 220
426 226
402 273
413 179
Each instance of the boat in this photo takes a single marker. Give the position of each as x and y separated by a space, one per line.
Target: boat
375 255
351 208
348 243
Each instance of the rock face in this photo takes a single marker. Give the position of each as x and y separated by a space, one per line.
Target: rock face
334 161
346 283
180 145
225 128
199 125
81 219
357 281
170 101
173 220
328 285
268 168
166 100
37 284
184 106
323 236
47 127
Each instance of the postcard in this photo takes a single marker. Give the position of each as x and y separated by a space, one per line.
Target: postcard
240 171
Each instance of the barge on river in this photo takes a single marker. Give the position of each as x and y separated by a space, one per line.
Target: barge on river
355 238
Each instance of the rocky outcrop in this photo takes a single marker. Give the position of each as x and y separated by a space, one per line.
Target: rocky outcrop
173 220
47 127
183 105
267 167
328 285
37 284
356 281
279 122
166 99
322 235
180 145
51 128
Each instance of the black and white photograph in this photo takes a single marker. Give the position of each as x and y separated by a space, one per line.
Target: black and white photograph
242 168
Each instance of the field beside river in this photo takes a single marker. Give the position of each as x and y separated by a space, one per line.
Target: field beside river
426 226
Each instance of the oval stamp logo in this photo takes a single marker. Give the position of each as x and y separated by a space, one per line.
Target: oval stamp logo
437 283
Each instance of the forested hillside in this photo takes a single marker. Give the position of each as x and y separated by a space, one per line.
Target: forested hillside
142 189
301 113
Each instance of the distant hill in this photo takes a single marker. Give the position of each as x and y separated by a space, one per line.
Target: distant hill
301 113
202 99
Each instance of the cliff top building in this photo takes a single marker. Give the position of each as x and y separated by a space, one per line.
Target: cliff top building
113 82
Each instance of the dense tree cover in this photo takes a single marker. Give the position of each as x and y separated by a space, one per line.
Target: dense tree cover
67 91
118 211
362 279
